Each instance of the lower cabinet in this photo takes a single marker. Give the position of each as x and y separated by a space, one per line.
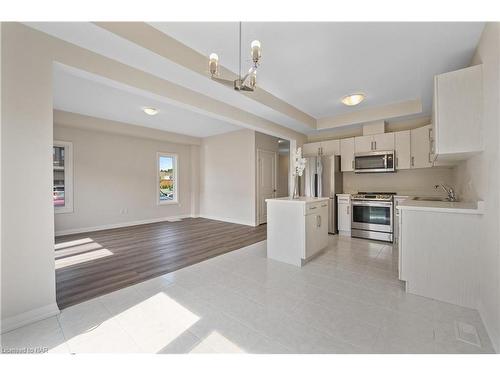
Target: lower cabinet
344 213
297 229
316 230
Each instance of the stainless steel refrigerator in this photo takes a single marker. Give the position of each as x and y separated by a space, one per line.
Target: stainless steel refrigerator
322 178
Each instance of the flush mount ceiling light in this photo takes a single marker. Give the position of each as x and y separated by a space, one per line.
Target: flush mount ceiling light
353 99
246 83
150 111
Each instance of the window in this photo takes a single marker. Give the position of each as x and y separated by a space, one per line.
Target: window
167 178
62 156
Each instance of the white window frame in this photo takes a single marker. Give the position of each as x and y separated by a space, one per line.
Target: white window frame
68 178
176 178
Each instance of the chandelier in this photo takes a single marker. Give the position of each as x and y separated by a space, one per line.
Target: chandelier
246 83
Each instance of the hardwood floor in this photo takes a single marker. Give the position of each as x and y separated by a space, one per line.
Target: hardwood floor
95 263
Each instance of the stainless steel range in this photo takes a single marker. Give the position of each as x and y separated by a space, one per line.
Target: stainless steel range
372 216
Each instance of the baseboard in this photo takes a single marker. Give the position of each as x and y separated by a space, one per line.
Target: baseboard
229 220
119 225
29 317
492 333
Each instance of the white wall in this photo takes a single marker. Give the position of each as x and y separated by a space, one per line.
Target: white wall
115 178
227 177
404 182
28 277
478 178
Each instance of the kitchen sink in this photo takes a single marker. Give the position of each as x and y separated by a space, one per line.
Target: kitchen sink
431 199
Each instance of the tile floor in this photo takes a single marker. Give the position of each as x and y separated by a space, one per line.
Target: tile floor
347 300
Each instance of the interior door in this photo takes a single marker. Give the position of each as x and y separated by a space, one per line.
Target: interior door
266 182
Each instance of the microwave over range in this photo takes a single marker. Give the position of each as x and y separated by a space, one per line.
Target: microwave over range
374 161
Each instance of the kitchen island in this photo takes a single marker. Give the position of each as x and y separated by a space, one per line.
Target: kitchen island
297 229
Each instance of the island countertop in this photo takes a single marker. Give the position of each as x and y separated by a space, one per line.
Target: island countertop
301 200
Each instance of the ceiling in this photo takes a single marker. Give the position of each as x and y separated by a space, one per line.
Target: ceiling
308 65
313 65
80 92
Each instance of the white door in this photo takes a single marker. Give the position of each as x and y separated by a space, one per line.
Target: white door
403 150
363 143
347 154
383 142
421 147
266 182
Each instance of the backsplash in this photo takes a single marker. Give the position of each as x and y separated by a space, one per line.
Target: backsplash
403 182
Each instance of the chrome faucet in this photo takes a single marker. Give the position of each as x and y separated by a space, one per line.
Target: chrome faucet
449 191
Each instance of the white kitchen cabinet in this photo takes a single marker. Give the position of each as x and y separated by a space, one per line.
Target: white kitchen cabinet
347 154
402 147
421 147
331 147
457 114
297 229
344 213
363 143
438 246
383 142
311 149
375 142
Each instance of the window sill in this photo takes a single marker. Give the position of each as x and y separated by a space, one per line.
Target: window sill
167 203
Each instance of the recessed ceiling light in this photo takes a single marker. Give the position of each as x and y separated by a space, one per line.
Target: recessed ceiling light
353 99
150 111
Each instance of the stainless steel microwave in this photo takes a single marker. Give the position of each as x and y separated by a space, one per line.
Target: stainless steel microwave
374 162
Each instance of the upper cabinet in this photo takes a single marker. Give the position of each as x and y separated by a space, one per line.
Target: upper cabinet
421 147
383 142
375 142
412 148
311 149
402 147
347 154
457 118
331 147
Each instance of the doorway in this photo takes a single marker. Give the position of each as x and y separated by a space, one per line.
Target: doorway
266 181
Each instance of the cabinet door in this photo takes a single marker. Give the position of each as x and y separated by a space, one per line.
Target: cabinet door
323 226
311 235
421 147
364 143
347 154
344 216
383 142
402 145
331 147
311 149
458 111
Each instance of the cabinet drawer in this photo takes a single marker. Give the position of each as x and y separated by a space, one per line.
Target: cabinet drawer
316 208
312 208
344 200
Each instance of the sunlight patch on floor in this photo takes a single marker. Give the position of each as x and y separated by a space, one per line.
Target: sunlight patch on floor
216 342
80 258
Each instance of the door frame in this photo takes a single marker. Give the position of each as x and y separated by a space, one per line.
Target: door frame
275 154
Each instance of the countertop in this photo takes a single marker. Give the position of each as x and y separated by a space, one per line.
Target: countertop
474 208
301 200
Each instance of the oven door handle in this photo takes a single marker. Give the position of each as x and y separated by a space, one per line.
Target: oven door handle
372 204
